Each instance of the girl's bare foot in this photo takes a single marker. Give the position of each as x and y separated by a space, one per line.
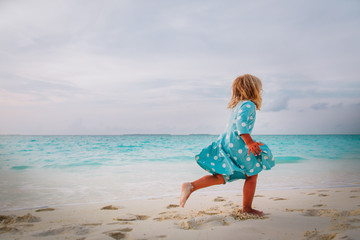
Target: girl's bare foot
186 189
252 211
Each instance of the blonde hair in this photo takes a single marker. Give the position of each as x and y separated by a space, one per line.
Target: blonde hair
246 87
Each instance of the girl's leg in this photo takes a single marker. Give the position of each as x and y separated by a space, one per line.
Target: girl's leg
206 181
248 195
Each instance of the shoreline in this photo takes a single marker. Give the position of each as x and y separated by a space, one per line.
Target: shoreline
291 214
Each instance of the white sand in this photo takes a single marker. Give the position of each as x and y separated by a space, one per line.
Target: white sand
291 214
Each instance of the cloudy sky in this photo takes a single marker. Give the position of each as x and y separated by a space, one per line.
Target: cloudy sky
120 67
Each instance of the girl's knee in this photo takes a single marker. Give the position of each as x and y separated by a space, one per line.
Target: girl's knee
252 178
220 178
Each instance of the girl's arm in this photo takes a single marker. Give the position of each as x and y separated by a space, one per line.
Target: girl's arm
254 147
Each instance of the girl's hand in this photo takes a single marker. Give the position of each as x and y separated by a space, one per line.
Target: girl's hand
254 147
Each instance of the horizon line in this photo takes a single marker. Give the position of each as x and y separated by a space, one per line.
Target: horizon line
169 134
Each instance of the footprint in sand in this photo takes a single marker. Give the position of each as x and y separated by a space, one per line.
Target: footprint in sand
259 196
118 234
142 217
231 204
6 219
161 236
199 222
238 215
219 199
126 230
14 219
131 217
319 205
311 193
171 215
353 196
200 213
323 195
8 229
172 206
120 223
155 237
278 198
45 210
110 207
294 210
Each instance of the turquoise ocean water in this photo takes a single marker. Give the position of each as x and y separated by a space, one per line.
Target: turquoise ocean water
38 171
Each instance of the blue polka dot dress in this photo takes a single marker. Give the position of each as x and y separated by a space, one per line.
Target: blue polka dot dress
229 154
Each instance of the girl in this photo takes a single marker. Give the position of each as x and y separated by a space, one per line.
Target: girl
235 155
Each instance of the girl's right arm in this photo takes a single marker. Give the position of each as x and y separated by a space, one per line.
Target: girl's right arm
246 110
254 147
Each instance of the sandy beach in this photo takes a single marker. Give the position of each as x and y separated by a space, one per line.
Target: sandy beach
332 213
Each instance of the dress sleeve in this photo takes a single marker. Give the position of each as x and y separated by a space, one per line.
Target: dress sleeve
245 114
